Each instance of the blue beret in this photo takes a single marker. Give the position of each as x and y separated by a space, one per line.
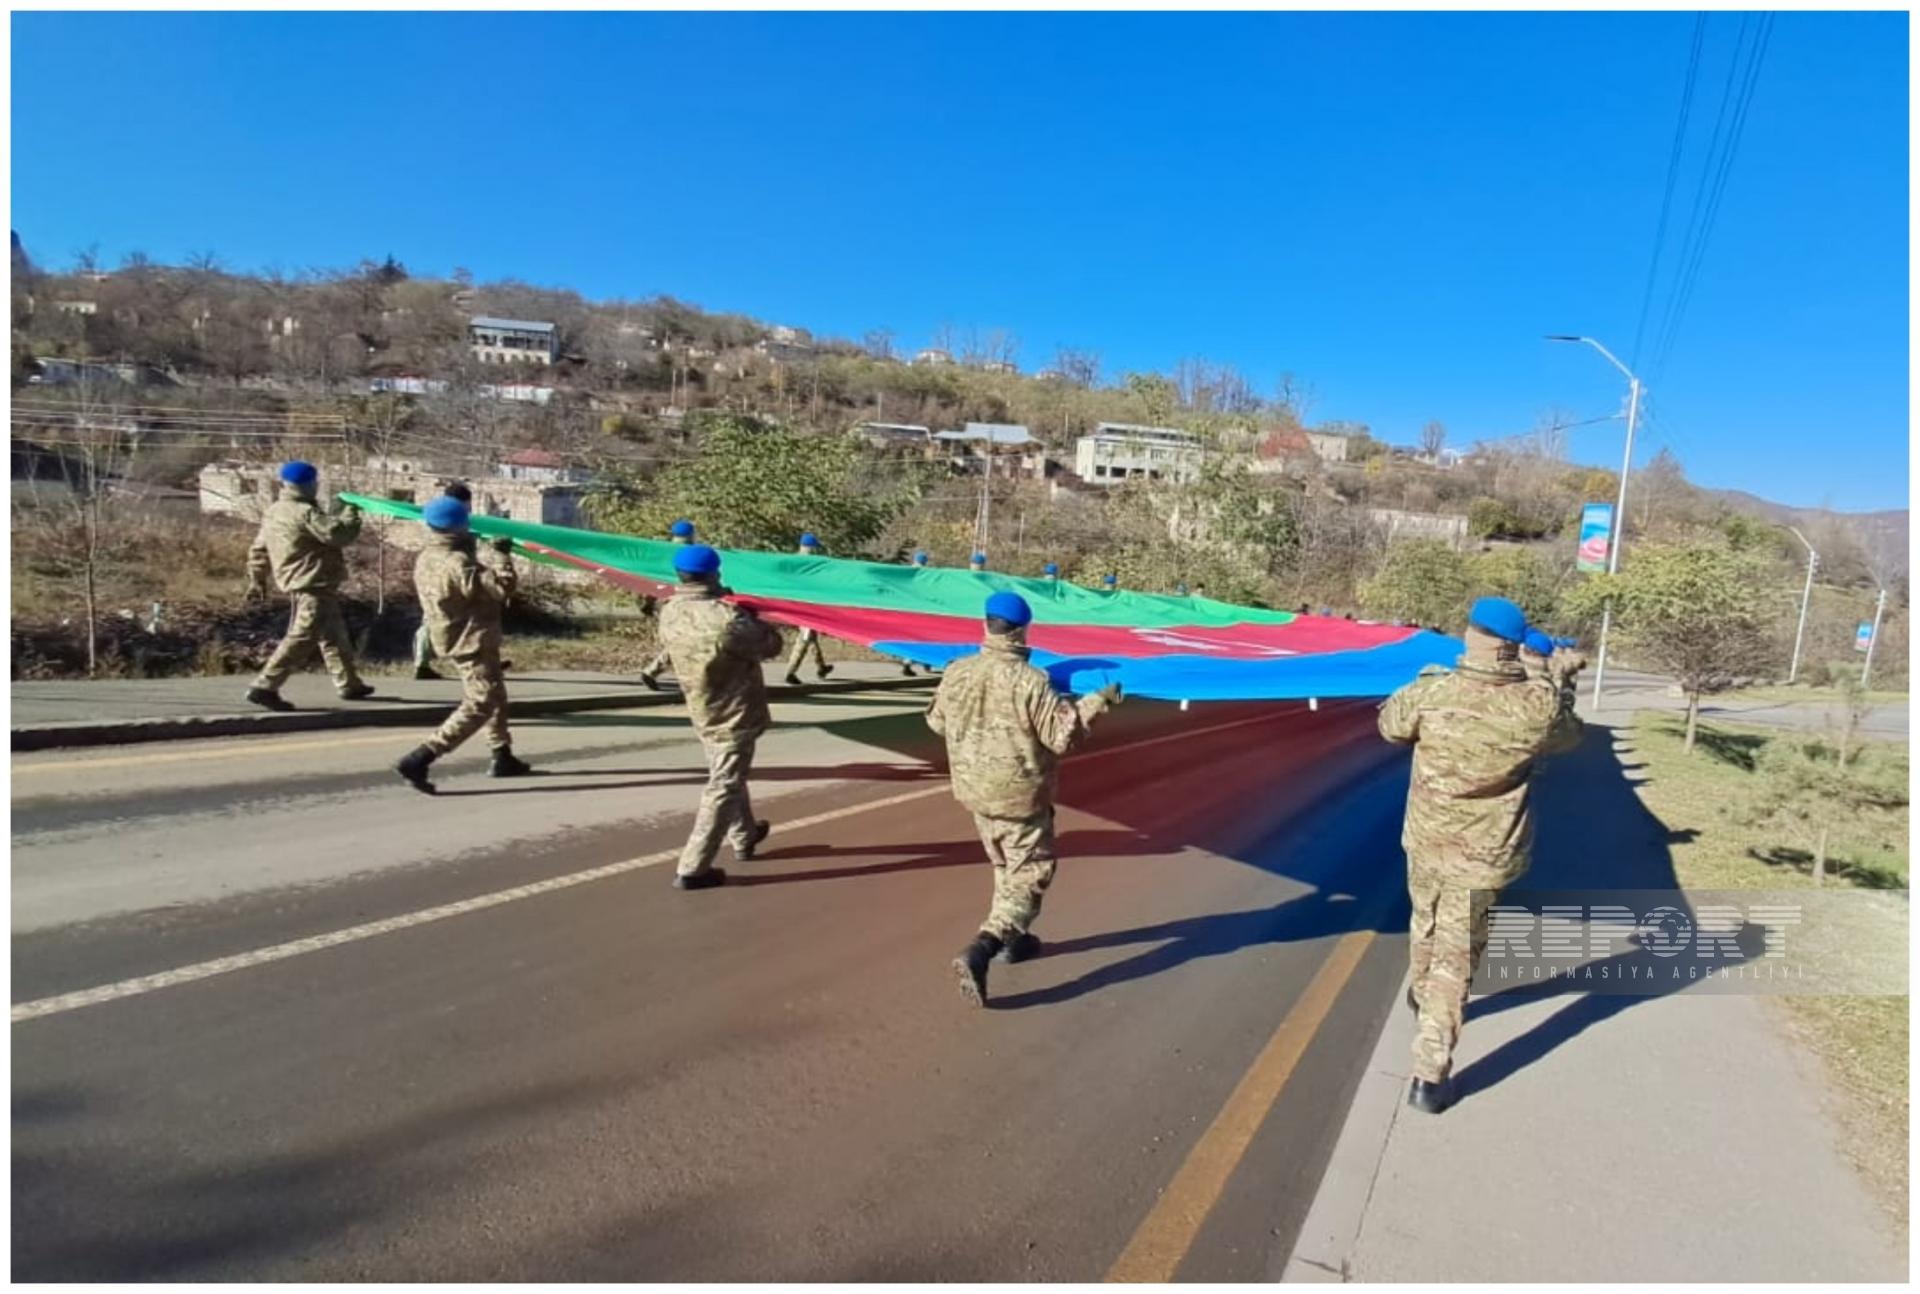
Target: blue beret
1566 642
920 559
681 529
1110 580
980 557
299 473
1499 617
696 559
446 513
1538 643
1010 607
808 541
1053 568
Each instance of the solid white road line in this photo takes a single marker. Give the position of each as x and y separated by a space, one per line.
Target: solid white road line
126 988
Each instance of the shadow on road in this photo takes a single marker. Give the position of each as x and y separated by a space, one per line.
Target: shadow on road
152 1217
1592 832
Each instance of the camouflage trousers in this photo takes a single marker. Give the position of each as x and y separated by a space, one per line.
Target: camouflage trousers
726 809
1021 851
1449 934
483 704
659 661
808 639
316 623
422 647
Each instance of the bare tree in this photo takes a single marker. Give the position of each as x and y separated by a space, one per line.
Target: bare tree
1207 387
1433 438
1080 367
879 343
1658 485
1548 439
1883 550
72 525
1295 397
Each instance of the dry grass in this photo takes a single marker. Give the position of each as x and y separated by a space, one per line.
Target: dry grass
1862 1041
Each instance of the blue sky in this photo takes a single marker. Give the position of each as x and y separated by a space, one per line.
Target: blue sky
1393 206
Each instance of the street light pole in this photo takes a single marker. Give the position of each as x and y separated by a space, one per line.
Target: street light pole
1879 610
1619 520
1806 594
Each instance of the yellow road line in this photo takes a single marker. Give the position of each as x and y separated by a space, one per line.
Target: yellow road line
1168 1231
392 736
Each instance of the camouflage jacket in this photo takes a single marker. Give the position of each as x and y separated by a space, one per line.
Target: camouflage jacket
301 545
1478 731
717 649
1006 729
1557 671
461 597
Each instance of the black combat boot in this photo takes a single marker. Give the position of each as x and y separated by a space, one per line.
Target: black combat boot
701 880
268 699
970 967
906 671
1430 1098
413 767
356 692
652 683
792 680
761 830
1023 947
426 674
824 671
507 764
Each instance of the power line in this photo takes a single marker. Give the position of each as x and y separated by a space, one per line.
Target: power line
1716 142
1673 175
1713 184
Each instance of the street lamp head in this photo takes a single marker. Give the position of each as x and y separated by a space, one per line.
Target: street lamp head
1561 337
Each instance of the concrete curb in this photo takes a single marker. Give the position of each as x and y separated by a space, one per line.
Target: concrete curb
120 732
1323 1250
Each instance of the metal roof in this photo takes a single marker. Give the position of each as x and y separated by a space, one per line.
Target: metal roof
515 325
1135 431
998 433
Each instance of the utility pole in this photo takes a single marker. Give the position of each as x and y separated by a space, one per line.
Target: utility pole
1617 526
1879 610
1806 595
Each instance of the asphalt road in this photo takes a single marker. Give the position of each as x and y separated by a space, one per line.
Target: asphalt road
1626 691
600 1078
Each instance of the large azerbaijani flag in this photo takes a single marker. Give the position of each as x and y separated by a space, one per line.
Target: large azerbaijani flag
1172 648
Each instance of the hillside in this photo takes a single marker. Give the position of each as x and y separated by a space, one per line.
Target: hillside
1884 529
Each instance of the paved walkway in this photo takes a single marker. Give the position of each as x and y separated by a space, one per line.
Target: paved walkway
1680 1137
82 712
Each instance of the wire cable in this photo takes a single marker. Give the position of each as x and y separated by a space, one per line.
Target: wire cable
1673 175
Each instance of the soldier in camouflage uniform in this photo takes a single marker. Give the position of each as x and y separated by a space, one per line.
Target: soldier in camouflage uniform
717 651
1545 662
919 562
302 548
1006 729
423 670
809 639
681 532
1478 732
462 598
